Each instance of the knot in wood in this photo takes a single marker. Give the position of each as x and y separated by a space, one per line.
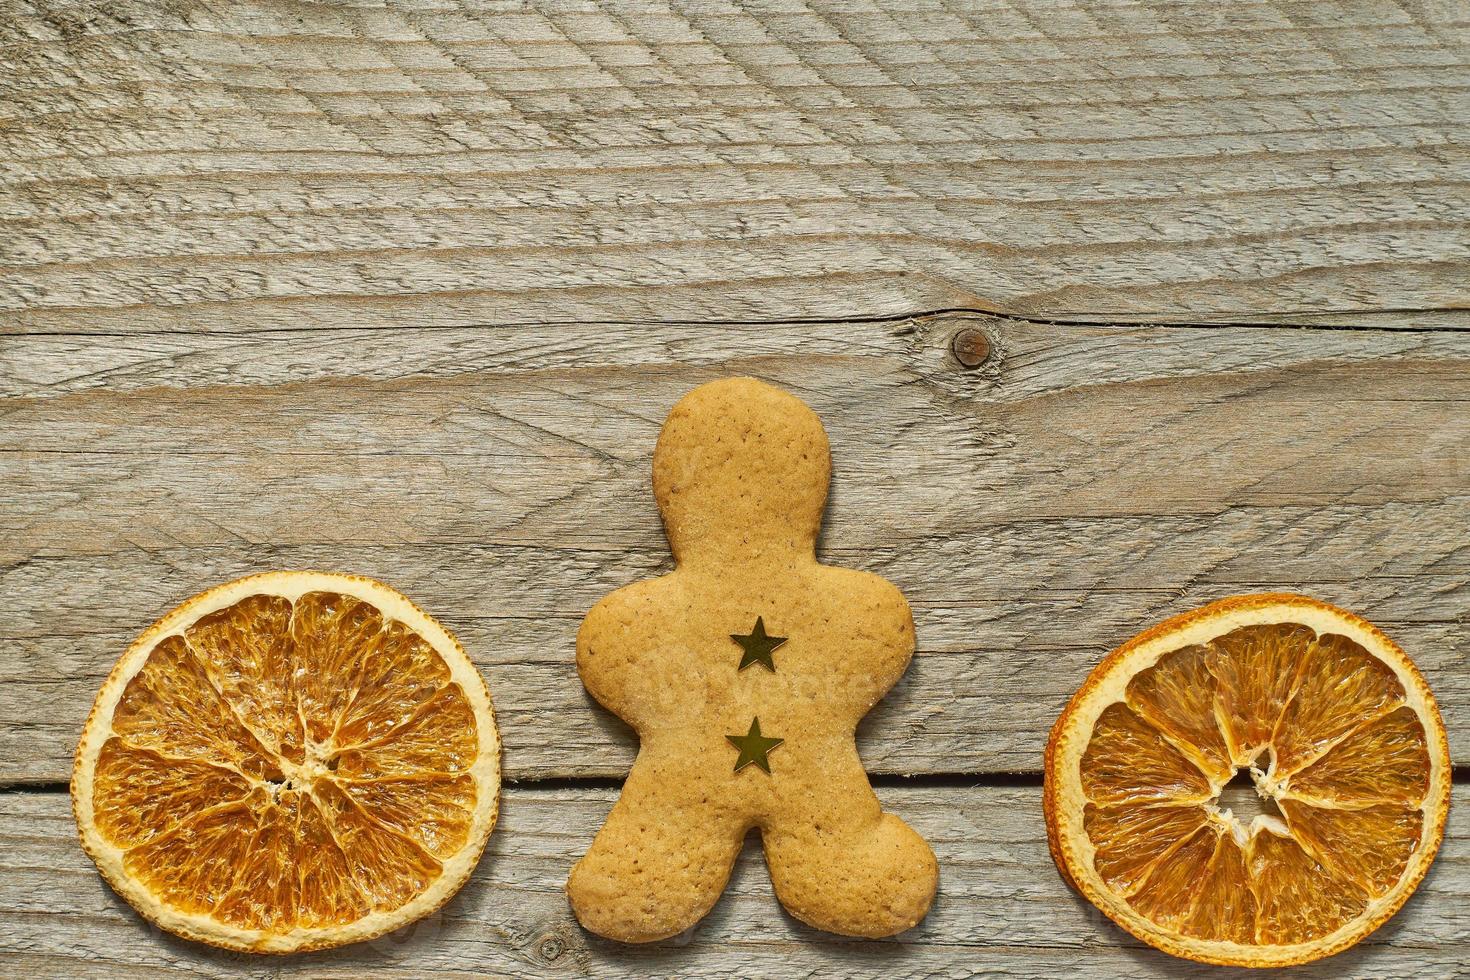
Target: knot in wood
971 347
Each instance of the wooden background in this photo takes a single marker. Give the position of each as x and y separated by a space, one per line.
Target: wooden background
407 290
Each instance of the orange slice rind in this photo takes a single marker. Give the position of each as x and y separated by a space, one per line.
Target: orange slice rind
1340 735
287 762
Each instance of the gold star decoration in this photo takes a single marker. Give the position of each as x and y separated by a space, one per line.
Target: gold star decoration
753 747
758 646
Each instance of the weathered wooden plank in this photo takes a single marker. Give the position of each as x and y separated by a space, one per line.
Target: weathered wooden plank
1079 485
1001 911
275 163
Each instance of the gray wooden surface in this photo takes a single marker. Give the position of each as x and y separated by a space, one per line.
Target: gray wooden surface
291 164
407 290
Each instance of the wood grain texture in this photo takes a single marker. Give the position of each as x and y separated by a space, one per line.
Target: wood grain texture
1078 486
1001 911
407 288
275 164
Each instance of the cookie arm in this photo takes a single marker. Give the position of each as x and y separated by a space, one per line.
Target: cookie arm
881 639
618 651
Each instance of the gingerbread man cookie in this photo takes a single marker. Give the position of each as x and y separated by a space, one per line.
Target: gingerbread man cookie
745 673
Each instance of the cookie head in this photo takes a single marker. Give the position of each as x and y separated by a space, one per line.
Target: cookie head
741 468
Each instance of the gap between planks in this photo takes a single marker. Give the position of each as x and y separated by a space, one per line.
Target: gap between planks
958 780
1441 320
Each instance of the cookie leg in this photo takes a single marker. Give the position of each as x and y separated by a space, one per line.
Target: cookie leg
658 865
850 869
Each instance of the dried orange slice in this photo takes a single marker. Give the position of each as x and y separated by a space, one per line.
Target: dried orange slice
1340 736
291 761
